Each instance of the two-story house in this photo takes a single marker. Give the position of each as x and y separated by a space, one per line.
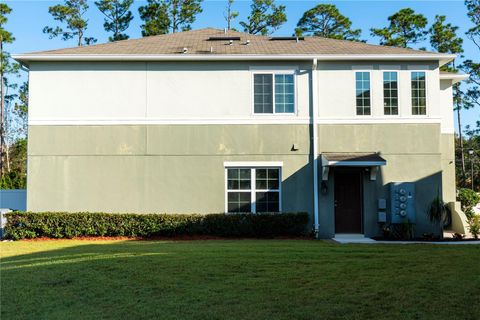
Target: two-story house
210 121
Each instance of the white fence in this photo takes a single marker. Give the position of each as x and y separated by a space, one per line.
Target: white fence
13 199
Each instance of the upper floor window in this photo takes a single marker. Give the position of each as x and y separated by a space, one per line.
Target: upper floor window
253 189
362 81
419 100
274 93
390 93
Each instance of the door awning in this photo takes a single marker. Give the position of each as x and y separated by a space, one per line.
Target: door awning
352 160
366 160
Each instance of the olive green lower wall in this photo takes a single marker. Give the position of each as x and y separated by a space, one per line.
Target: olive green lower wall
175 169
413 153
179 168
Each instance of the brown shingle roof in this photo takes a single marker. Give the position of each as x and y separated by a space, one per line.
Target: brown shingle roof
197 42
357 157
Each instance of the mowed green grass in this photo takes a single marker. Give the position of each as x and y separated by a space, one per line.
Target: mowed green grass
237 279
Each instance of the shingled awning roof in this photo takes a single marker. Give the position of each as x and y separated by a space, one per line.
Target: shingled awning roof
353 159
196 44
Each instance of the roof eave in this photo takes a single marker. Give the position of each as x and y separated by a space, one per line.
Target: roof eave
454 77
26 58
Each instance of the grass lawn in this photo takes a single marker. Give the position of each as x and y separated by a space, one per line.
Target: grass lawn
237 279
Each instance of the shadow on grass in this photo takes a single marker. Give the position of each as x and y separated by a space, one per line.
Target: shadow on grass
240 279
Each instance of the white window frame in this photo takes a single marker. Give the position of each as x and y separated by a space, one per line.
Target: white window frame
371 93
274 72
427 107
253 166
398 95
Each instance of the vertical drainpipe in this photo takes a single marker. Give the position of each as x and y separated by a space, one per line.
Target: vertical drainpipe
315 144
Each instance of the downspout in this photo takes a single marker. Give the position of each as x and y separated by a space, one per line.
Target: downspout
315 144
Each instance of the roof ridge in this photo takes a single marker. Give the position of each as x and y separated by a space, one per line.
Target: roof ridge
197 42
119 42
370 44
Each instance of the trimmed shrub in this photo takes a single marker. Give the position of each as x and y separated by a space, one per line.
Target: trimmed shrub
468 198
21 225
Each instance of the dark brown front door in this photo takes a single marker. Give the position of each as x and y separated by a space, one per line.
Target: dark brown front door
348 201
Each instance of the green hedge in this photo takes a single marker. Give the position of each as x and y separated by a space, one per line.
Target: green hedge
22 225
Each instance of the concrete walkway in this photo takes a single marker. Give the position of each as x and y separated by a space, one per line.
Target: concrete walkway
360 238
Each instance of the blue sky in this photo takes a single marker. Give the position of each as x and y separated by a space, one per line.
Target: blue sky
28 18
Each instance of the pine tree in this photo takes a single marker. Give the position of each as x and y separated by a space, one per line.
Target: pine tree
325 20
230 14
165 16
117 17
405 28
265 17
444 39
6 68
71 13
471 67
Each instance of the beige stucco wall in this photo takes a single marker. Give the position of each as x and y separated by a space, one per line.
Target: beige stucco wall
82 93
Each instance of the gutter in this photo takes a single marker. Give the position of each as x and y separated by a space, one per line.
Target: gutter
315 144
31 57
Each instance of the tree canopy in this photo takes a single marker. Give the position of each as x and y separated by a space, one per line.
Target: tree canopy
405 28
325 20
443 36
117 17
72 15
165 16
265 17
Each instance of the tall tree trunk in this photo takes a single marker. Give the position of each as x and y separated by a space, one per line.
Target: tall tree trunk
80 36
460 137
2 108
174 16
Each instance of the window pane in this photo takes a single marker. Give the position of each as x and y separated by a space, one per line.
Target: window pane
239 202
390 93
267 179
267 201
284 93
363 92
244 173
263 93
238 179
261 174
419 100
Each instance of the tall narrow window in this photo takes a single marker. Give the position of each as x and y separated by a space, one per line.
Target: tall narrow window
363 93
284 95
419 100
263 93
267 190
390 93
253 189
274 93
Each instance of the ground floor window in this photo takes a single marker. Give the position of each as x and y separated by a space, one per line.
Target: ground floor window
253 189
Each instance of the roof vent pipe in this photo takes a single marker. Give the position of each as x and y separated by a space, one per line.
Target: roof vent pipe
230 42
247 42
185 50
